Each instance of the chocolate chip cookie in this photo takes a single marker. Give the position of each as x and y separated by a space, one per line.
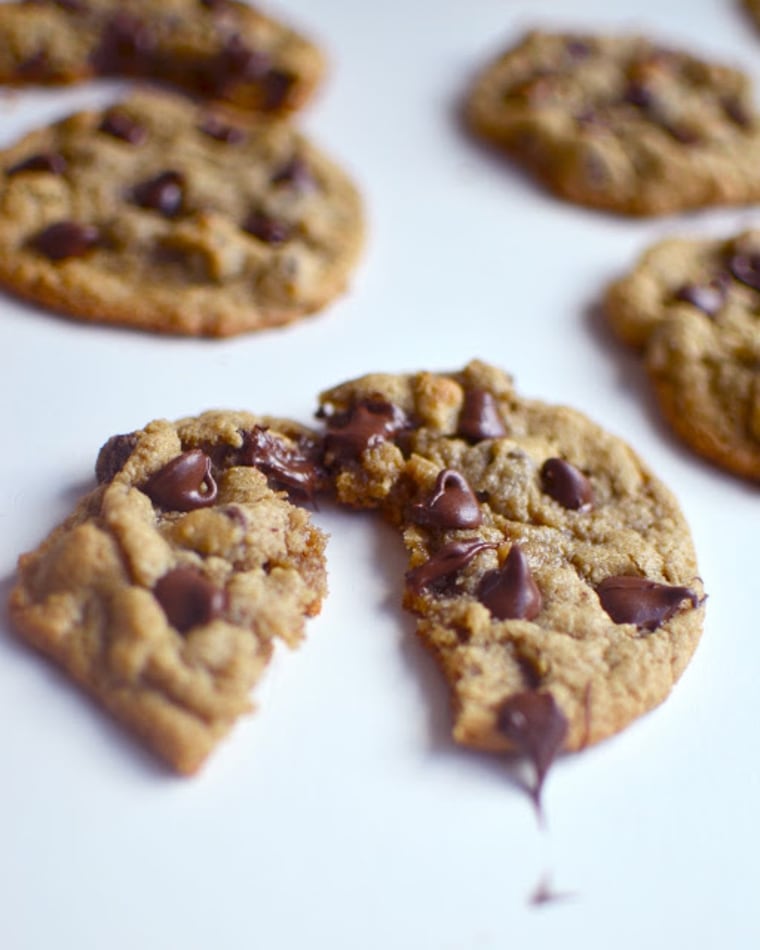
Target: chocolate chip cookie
552 575
216 48
692 307
165 215
163 592
621 123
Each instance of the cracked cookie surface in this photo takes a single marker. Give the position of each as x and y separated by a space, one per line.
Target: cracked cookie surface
621 123
216 48
164 591
692 307
163 215
552 575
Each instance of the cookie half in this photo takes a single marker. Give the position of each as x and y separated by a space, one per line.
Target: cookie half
164 591
216 48
552 575
692 307
165 215
621 123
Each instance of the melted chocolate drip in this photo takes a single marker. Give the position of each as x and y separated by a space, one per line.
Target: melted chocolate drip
452 557
183 484
645 603
366 424
287 467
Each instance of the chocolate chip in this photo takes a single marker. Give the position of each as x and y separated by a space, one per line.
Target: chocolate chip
72 6
268 229
537 727
295 173
233 64
566 484
66 239
52 162
451 505
368 423
34 68
189 599
746 268
682 132
122 126
222 131
645 603
276 85
183 484
287 467
126 45
448 560
709 298
510 592
113 455
164 193
638 94
479 417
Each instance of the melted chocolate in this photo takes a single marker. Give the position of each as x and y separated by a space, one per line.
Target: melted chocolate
479 418
66 239
510 592
746 268
645 603
566 484
188 599
452 557
183 484
366 424
287 467
164 193
452 505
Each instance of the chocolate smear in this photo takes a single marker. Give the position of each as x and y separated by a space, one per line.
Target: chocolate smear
479 417
189 599
452 504
645 603
449 559
533 722
510 592
366 424
288 467
566 484
184 484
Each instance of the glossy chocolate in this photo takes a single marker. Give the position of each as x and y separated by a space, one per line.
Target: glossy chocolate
287 467
183 484
746 268
122 126
164 193
566 484
220 130
451 505
66 239
366 424
479 418
268 229
449 559
189 599
533 722
295 174
645 603
510 592
709 297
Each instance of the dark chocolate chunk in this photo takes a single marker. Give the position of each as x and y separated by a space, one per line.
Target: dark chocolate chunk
268 229
566 484
164 193
746 268
449 559
122 126
510 592
220 130
637 600
479 417
66 239
452 505
127 45
189 599
366 424
537 727
293 470
113 455
52 162
183 484
709 298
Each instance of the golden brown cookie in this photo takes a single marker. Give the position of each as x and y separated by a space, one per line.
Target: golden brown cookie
621 122
692 307
552 575
217 48
164 591
165 215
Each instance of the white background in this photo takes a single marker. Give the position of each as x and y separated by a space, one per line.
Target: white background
341 816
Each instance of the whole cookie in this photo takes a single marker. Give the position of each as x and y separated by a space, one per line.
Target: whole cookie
552 575
693 309
164 215
163 592
217 48
621 123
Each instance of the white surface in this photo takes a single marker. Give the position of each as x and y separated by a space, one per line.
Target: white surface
341 816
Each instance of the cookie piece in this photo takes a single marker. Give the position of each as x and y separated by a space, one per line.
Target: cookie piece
621 123
692 307
217 48
163 592
552 575
160 214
